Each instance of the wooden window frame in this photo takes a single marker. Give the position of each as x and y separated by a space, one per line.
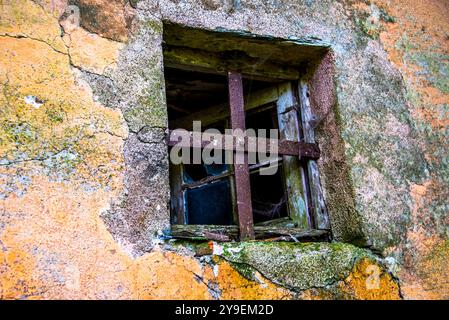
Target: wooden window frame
298 147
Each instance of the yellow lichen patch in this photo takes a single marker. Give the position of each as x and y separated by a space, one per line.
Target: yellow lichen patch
90 51
26 18
47 112
232 285
368 281
16 276
55 7
55 245
166 275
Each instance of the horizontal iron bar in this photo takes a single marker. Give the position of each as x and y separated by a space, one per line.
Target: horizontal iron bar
285 147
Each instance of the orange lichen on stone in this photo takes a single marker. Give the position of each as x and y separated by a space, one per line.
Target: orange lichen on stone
422 243
90 51
59 248
24 18
232 285
65 119
367 281
17 281
417 44
55 246
428 277
416 34
167 275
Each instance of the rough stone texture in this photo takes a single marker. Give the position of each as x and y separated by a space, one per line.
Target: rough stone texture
419 48
335 172
84 169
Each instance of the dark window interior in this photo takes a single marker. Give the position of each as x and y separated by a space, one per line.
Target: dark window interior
267 191
190 91
210 204
213 202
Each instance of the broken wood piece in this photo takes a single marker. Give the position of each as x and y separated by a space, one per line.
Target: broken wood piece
206 180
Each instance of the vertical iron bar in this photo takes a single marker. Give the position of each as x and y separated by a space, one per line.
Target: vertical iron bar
242 181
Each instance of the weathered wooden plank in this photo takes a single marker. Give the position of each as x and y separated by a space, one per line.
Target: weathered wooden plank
176 194
241 171
284 222
320 214
297 234
201 232
217 237
214 62
229 233
216 113
294 175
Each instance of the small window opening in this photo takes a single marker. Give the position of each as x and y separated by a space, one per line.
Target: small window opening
232 201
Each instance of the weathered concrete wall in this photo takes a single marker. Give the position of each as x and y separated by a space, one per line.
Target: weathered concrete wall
83 165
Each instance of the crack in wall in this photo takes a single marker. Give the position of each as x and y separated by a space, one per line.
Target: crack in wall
211 286
8 35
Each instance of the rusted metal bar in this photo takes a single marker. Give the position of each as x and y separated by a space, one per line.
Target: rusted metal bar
242 182
302 149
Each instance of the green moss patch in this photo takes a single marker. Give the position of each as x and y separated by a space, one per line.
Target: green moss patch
297 266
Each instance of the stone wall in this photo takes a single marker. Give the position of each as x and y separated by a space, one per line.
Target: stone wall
84 168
